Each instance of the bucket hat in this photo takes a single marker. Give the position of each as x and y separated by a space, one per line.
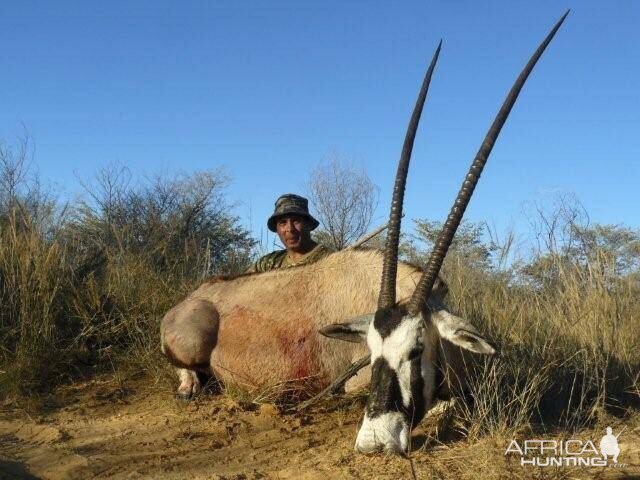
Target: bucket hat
291 204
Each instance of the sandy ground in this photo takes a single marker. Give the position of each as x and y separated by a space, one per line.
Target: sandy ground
99 430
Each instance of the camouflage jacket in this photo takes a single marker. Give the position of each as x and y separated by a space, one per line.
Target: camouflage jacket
280 259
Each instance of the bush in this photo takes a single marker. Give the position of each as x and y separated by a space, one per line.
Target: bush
82 286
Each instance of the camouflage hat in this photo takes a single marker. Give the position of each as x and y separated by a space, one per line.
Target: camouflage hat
291 204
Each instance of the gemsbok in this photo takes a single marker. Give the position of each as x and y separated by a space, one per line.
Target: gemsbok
274 328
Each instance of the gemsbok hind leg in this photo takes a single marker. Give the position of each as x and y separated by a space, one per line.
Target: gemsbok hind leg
188 335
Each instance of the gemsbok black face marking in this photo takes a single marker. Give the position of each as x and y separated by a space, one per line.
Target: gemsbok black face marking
403 338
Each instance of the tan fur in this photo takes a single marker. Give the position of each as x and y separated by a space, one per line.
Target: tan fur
268 322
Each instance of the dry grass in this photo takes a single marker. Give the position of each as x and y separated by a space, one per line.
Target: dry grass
57 325
568 355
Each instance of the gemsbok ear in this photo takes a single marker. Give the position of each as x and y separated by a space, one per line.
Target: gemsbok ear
354 330
461 333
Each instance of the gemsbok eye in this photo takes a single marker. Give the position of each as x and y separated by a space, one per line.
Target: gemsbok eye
416 352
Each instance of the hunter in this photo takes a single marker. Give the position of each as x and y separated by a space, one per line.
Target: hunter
293 223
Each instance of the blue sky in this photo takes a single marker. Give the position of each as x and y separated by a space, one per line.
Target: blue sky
269 89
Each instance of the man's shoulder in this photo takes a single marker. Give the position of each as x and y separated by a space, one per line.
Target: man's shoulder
278 258
273 255
270 261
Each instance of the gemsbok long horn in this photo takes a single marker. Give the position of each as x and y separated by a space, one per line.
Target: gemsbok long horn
387 297
423 289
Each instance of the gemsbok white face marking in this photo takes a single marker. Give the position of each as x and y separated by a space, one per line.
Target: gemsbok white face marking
397 349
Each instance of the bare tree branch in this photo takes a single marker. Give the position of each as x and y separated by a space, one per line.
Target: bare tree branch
344 199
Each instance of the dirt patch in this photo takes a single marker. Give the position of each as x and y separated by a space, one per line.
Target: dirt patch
99 431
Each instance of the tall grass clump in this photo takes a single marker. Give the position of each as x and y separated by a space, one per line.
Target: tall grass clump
565 318
83 285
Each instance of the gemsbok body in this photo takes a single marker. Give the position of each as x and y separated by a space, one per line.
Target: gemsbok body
280 327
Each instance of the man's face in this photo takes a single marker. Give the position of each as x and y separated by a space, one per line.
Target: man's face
293 231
